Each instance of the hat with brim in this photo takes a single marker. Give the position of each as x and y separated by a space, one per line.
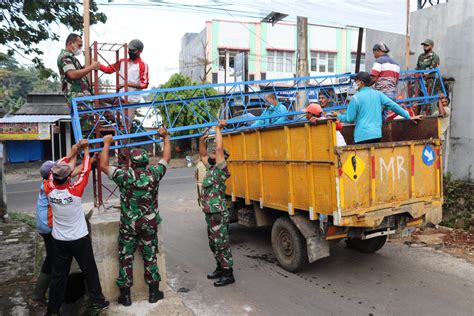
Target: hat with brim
61 170
362 76
427 42
45 169
313 108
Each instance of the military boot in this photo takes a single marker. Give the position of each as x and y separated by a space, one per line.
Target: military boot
226 278
42 284
155 293
216 274
125 298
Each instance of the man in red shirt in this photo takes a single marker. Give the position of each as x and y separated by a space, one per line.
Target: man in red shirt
137 73
70 233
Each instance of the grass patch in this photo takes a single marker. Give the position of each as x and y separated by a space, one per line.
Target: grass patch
24 218
458 207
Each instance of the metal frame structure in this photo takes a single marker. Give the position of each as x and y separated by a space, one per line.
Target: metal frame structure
100 52
169 105
414 87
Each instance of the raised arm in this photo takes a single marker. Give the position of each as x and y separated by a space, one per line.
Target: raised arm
79 73
202 148
79 186
71 158
166 144
220 142
104 154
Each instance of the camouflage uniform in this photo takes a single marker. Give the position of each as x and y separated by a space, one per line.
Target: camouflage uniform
427 61
214 205
139 218
74 88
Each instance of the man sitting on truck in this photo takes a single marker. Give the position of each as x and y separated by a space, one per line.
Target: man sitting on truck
365 110
274 108
214 205
314 113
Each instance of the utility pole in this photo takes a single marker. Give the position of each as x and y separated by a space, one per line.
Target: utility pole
302 55
87 40
3 193
407 38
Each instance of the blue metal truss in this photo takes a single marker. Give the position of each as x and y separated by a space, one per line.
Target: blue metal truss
416 87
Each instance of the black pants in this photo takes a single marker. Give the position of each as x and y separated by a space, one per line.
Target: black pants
370 141
48 260
64 251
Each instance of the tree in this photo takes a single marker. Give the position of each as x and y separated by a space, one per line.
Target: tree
186 116
17 82
24 24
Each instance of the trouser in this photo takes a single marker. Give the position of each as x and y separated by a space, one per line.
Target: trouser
47 266
64 251
142 233
219 242
370 141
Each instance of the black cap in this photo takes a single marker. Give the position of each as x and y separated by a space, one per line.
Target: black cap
362 76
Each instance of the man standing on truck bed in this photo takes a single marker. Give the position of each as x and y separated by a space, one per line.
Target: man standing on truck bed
365 110
214 205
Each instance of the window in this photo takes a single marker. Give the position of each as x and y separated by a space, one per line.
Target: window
280 61
353 62
226 59
323 62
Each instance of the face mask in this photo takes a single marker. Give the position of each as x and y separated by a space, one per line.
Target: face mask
211 161
132 55
77 52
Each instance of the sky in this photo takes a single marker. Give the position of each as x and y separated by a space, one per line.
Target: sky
160 30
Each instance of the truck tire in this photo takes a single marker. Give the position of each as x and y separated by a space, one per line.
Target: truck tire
366 246
289 245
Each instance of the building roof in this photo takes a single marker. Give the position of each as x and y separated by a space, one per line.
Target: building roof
34 118
44 104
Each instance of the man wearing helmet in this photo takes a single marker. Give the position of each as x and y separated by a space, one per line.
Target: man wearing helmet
214 205
139 216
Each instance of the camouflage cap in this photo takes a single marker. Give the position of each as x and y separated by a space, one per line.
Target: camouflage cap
427 42
139 156
61 170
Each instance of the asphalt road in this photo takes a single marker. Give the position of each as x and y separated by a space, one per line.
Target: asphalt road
398 280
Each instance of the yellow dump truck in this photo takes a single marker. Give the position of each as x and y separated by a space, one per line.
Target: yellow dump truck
315 194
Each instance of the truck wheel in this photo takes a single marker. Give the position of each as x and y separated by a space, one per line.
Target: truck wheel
368 245
289 245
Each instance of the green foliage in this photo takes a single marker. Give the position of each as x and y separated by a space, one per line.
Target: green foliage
22 217
458 207
187 116
24 24
16 82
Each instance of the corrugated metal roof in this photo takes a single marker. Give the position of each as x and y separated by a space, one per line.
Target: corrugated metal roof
34 118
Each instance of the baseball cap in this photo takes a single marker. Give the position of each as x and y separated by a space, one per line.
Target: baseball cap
135 44
427 42
139 156
45 168
381 47
362 76
61 170
314 108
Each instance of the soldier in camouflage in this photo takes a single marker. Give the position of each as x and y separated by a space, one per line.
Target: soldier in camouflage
214 205
73 75
426 61
139 218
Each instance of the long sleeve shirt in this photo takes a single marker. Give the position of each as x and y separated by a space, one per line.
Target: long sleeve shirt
272 110
365 111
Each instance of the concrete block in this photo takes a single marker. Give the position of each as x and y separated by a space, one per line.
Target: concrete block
104 226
